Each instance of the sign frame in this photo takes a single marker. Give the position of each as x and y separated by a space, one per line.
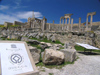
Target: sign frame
35 72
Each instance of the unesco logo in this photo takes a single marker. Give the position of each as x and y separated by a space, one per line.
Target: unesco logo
16 58
13 46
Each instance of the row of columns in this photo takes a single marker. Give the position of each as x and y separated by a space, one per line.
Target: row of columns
90 21
65 22
64 19
91 15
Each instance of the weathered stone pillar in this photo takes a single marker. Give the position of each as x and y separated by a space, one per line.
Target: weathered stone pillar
79 24
49 27
69 24
87 23
63 24
60 20
91 20
33 25
43 25
53 21
63 20
66 21
72 24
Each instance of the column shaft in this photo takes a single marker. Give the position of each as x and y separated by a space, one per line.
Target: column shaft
69 24
79 24
60 20
91 19
72 24
87 23
66 21
63 21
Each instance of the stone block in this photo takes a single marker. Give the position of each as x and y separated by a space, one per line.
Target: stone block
53 57
70 54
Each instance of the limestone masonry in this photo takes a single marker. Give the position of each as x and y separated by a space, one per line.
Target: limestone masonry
42 25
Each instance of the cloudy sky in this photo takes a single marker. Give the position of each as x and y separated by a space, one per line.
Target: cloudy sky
20 10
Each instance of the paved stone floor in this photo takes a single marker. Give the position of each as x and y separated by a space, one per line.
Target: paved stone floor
85 65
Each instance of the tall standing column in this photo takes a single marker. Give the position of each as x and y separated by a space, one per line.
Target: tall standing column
63 24
79 24
63 20
66 24
60 20
87 23
43 25
91 19
33 25
72 24
49 27
69 24
66 21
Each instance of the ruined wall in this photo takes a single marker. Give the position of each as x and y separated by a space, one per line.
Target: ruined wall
53 27
18 23
7 24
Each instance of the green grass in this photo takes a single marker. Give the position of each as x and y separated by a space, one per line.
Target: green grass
14 39
54 66
79 48
3 38
2 26
48 41
37 46
51 74
13 26
10 39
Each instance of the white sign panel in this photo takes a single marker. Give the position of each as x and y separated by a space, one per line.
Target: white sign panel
88 46
14 59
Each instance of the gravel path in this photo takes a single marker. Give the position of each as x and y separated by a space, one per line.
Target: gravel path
85 65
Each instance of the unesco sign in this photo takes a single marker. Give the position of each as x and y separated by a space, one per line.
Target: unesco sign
16 59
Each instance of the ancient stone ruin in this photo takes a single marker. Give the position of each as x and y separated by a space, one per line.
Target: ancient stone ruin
50 43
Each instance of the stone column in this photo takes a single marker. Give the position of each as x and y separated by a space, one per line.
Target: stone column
60 20
79 24
43 25
63 20
69 24
33 25
72 24
87 23
53 21
49 27
66 21
63 24
91 20
66 24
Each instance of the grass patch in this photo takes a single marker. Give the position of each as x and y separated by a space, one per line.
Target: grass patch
3 38
2 26
37 46
53 66
13 26
51 74
48 41
14 39
10 39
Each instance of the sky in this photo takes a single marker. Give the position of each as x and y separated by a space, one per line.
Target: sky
20 10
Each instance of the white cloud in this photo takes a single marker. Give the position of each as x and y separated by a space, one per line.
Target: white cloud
3 7
17 2
25 15
19 16
7 18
